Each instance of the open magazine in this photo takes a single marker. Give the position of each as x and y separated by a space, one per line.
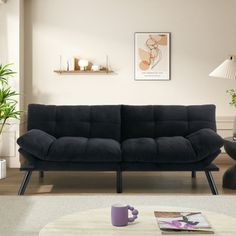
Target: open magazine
182 223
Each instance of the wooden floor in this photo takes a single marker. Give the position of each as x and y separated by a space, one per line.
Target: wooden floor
60 183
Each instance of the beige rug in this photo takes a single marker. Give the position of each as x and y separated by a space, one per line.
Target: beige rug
26 215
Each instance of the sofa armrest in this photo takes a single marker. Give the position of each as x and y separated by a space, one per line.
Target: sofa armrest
36 142
205 142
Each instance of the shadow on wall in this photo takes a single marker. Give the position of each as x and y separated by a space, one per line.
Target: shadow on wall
3 35
28 56
28 65
35 94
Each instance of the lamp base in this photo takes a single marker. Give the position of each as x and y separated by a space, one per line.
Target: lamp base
234 129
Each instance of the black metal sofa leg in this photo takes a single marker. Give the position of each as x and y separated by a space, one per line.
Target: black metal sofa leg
41 174
119 181
211 183
25 182
193 174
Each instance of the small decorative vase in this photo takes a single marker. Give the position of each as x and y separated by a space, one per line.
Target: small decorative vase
71 64
3 168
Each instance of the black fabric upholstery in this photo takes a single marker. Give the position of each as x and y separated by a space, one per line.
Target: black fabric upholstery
139 150
165 121
175 149
200 117
36 164
118 134
205 142
32 163
81 149
150 166
76 121
36 142
42 117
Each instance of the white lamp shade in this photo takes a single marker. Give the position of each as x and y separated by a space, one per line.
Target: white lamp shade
226 70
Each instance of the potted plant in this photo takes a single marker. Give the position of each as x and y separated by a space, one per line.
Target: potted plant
232 93
8 105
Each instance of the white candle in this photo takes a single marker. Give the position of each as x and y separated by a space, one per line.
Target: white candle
71 64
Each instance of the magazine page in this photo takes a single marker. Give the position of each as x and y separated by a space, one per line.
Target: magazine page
186 221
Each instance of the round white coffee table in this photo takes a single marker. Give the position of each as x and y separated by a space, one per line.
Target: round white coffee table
97 222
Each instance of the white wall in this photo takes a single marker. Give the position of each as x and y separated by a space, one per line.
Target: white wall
10 51
3 35
203 34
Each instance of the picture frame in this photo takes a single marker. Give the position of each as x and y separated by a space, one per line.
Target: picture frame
152 56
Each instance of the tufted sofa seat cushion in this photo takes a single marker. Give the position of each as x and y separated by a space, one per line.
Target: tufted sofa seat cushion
177 149
78 149
192 148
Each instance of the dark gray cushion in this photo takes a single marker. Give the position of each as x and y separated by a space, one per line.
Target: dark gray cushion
205 142
76 121
161 150
80 149
36 142
177 149
139 150
165 121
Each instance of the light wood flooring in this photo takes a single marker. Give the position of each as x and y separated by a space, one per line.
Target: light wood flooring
154 183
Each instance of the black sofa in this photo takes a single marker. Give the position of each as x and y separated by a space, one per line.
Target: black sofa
120 138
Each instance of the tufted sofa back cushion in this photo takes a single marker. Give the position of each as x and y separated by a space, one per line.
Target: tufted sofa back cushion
76 121
165 121
120 122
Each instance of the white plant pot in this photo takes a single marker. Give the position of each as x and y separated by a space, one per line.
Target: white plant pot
3 168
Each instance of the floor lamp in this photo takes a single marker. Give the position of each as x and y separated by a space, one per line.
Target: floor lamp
227 70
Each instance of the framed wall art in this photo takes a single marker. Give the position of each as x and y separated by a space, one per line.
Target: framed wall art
152 56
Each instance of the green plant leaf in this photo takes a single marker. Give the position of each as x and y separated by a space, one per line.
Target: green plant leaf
232 93
5 73
8 103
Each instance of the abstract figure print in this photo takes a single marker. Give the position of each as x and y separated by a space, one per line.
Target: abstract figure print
152 56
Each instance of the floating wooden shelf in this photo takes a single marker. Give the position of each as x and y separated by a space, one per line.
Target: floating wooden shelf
83 72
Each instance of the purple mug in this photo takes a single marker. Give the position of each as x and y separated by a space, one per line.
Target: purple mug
120 214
